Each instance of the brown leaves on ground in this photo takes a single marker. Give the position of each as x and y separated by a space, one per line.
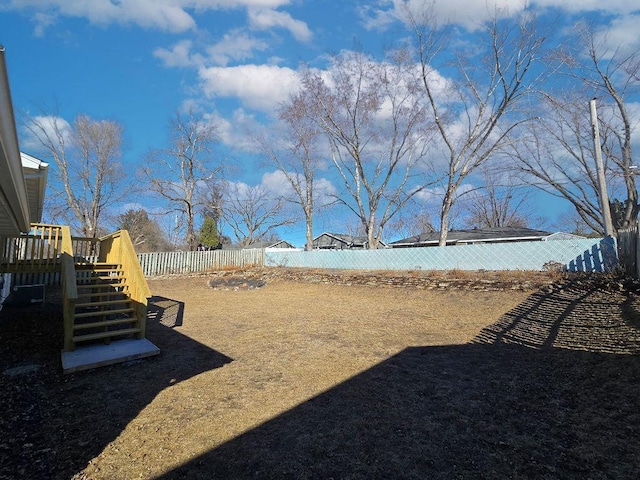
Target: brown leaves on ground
320 374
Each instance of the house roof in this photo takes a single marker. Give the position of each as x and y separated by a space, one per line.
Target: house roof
346 239
14 203
270 244
500 234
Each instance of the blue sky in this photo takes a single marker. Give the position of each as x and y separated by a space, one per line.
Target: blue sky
137 61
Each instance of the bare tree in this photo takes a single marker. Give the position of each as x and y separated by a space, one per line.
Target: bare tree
374 120
253 214
556 155
475 110
569 221
296 156
557 151
89 175
412 220
502 202
186 170
613 77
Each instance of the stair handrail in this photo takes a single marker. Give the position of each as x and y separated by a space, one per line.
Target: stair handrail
118 248
69 287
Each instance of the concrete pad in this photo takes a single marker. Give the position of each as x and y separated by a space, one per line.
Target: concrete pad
100 355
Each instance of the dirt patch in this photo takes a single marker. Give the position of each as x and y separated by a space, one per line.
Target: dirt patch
235 283
339 374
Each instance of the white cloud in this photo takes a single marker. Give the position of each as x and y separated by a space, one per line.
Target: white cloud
178 56
621 34
262 87
235 130
463 12
266 19
166 15
276 182
235 45
169 16
611 6
42 21
470 14
46 126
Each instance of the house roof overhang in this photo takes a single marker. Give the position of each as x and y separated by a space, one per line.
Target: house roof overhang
35 176
14 202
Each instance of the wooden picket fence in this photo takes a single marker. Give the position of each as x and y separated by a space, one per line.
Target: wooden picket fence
167 263
628 251
162 263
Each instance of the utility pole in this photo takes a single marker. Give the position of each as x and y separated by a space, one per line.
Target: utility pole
602 183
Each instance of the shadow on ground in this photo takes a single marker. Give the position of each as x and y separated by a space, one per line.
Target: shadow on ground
548 391
30 379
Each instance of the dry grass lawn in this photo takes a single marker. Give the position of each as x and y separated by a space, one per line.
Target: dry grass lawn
321 380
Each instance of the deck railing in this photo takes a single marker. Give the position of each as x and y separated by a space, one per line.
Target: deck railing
36 251
50 249
86 249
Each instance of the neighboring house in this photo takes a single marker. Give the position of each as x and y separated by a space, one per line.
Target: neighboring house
487 235
270 244
562 236
281 244
338 241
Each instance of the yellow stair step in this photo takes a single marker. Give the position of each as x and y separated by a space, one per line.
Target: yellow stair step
100 313
111 293
113 333
102 303
104 323
102 285
98 266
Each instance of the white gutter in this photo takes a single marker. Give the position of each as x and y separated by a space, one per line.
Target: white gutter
13 191
502 239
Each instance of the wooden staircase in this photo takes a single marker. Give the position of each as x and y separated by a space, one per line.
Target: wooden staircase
102 301
104 309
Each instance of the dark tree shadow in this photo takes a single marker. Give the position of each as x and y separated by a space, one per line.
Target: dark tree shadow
548 391
103 403
600 258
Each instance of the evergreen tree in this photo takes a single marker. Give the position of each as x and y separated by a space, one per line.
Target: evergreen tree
145 232
209 237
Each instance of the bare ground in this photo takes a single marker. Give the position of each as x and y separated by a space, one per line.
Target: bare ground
304 374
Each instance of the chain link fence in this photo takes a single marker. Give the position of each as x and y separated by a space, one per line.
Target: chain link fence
576 255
